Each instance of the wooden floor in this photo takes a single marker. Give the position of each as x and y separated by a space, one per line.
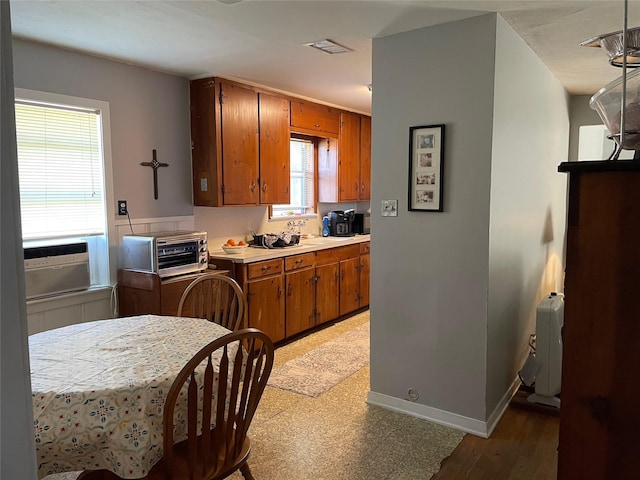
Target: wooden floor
522 447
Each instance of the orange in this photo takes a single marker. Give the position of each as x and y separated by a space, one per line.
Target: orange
231 242
242 243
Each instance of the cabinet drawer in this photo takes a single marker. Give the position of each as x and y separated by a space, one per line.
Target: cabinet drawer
316 117
263 269
365 247
296 262
332 255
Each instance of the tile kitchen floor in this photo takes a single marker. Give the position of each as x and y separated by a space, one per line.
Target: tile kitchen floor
337 435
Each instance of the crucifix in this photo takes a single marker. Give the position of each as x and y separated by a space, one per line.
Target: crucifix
155 164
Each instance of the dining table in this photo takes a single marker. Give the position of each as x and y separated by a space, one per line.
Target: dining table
98 390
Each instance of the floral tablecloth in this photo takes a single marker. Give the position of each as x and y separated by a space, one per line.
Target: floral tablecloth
99 389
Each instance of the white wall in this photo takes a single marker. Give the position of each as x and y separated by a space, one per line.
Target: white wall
149 110
429 271
453 293
528 208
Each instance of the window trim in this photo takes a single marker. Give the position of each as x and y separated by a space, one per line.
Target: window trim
56 100
315 141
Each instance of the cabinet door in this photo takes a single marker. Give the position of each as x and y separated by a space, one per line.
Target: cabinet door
274 150
365 157
300 301
239 120
266 306
311 118
364 280
349 157
327 293
349 285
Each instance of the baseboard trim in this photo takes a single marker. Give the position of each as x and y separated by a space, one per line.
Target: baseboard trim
442 417
435 415
502 406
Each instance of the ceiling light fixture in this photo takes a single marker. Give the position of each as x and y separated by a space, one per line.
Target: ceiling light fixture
329 46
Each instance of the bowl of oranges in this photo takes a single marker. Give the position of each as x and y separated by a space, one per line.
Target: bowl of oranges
234 247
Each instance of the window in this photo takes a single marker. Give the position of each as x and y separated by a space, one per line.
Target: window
62 158
302 178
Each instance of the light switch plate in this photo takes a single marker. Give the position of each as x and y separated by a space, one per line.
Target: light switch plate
389 208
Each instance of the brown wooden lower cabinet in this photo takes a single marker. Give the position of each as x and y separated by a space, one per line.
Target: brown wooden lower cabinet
142 292
266 306
327 292
294 293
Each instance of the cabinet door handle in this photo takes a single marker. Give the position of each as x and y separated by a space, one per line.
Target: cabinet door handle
362 187
279 292
317 125
252 187
264 187
266 267
299 261
356 185
289 290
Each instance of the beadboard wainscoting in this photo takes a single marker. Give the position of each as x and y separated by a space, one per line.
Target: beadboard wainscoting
96 303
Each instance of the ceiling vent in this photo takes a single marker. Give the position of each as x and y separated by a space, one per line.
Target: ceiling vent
329 46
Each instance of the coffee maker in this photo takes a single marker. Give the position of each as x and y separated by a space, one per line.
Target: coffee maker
340 223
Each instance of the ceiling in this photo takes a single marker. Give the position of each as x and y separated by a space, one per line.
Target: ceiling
262 41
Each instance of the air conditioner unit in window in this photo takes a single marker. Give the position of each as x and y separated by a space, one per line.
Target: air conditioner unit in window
55 269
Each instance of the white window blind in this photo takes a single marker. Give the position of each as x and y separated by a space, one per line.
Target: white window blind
302 179
61 171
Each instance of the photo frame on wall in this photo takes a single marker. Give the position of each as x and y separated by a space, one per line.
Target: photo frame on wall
426 166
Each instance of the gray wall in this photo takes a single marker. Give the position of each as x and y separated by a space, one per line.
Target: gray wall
530 139
17 444
429 271
581 114
454 293
149 110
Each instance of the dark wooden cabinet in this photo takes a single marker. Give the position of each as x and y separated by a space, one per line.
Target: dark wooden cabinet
142 292
240 144
599 416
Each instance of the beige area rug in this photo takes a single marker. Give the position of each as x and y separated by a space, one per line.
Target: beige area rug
316 371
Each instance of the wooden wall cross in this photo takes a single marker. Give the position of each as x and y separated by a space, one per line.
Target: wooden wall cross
155 164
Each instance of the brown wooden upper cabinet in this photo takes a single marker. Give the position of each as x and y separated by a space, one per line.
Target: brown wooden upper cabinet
240 144
345 165
314 119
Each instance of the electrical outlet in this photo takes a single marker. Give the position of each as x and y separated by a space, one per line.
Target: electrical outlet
122 207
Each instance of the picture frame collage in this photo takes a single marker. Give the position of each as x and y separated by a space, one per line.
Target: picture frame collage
426 167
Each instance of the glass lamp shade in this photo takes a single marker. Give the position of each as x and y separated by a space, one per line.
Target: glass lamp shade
613 44
607 103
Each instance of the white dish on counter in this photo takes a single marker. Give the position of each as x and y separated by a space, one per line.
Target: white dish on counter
233 249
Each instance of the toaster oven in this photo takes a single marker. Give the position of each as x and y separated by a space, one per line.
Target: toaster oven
166 253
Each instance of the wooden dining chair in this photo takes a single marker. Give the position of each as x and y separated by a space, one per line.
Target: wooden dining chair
217 298
232 371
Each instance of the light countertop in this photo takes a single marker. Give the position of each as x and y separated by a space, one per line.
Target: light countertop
251 254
